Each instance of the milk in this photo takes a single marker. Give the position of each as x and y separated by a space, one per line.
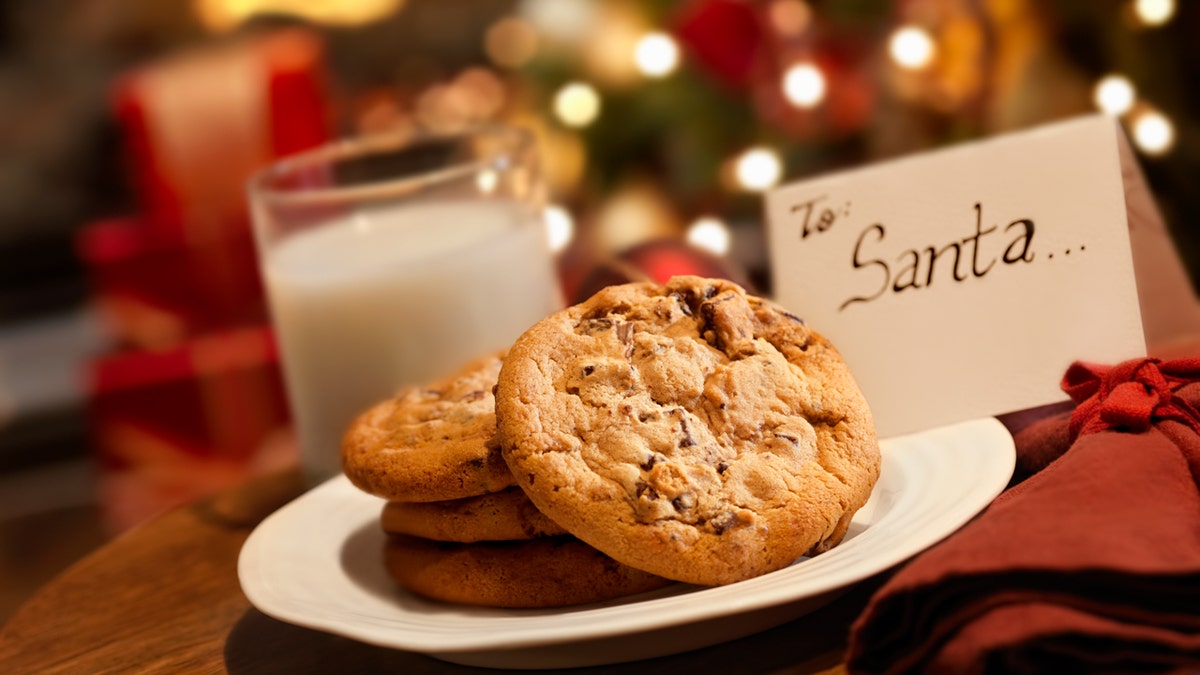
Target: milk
398 295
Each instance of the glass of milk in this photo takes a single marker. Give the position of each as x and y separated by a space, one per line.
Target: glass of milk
392 260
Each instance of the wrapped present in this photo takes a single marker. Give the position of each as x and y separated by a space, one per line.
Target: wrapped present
169 426
156 292
195 400
1092 564
197 124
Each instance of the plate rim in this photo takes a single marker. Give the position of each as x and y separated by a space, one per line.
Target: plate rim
1000 453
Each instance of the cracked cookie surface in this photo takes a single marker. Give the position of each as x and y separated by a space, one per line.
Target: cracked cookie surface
689 430
431 443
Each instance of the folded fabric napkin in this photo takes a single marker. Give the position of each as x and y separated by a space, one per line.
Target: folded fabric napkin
1092 564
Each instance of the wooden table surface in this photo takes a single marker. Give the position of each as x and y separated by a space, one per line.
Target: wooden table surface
165 598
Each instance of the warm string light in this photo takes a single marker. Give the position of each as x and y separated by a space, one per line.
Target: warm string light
804 85
1153 133
577 104
911 47
758 169
709 233
1154 12
224 15
1114 95
656 55
560 227
513 41
486 181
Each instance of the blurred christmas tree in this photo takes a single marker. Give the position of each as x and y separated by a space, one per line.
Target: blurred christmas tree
683 113
671 117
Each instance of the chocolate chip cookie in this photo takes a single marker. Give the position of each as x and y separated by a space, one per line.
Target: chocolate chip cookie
689 430
507 515
431 443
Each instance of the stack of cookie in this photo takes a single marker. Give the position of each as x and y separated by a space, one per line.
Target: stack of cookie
459 529
688 431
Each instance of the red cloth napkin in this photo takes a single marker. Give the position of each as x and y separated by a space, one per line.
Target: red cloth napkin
1090 565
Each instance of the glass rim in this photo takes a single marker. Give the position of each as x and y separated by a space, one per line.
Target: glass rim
259 185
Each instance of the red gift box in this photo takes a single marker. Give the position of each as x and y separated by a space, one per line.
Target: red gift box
198 402
169 426
198 124
156 291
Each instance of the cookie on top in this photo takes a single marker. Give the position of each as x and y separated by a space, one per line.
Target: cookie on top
689 430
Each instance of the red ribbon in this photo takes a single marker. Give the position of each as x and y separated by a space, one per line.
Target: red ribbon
1130 396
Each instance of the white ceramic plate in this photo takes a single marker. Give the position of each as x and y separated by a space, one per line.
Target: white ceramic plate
317 563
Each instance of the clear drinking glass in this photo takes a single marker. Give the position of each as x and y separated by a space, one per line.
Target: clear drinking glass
391 260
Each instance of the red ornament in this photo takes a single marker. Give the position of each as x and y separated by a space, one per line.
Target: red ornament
658 261
724 36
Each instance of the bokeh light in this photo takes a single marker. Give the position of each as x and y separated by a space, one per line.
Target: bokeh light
758 169
577 104
710 234
657 55
566 21
486 181
560 227
1114 95
1153 133
1154 12
912 47
804 85
225 15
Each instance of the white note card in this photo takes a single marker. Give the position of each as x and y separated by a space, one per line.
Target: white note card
961 283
